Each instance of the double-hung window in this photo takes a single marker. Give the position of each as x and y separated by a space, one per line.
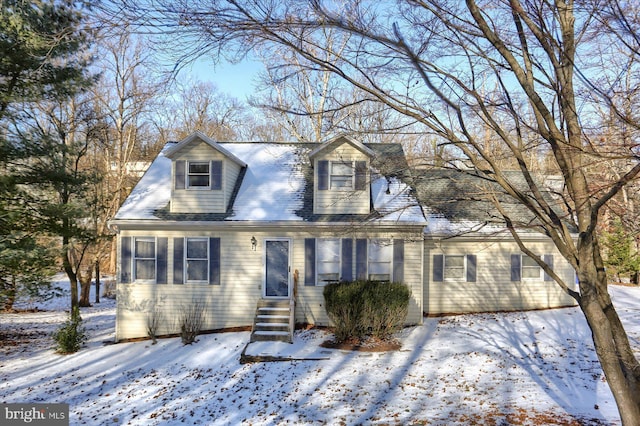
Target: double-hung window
198 174
197 260
524 267
144 259
341 175
453 267
530 268
380 259
332 259
328 260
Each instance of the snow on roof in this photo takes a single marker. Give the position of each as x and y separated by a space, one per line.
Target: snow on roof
272 189
273 185
152 192
393 200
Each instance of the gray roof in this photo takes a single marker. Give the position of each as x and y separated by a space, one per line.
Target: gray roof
466 196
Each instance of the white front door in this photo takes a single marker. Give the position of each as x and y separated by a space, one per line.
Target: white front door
277 255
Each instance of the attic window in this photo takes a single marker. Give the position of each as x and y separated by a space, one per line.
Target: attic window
342 175
198 175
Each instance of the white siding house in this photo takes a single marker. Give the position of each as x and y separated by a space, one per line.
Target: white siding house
232 225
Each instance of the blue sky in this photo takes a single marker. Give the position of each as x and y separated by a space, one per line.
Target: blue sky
237 80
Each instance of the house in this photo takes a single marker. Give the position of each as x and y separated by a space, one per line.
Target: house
254 231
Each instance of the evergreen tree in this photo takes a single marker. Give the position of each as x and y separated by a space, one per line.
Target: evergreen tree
42 51
621 259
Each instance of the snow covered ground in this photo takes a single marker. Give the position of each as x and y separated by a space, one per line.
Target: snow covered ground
515 368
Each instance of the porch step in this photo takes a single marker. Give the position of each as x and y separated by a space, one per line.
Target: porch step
273 321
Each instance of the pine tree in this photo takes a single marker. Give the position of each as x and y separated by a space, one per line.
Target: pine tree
42 45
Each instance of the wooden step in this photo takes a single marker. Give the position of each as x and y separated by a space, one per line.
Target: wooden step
270 336
272 321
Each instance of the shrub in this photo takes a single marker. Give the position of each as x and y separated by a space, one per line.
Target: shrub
191 321
344 308
71 336
154 320
361 308
385 308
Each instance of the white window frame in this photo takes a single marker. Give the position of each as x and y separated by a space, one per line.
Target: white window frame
380 244
189 174
463 275
187 259
321 281
540 275
336 176
135 258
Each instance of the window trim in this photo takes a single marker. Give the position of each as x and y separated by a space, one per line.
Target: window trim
189 173
186 259
135 258
463 275
323 283
352 176
540 276
387 243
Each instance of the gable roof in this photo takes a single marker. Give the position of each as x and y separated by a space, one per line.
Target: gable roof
199 136
459 201
277 185
330 145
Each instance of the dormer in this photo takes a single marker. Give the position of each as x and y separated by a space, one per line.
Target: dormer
203 175
341 177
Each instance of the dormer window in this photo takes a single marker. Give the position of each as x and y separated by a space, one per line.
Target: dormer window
342 175
198 176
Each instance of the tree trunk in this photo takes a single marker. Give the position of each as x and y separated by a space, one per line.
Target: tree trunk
10 295
97 281
620 367
73 278
619 377
85 287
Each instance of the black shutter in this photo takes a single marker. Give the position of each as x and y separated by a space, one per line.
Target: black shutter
471 268
346 270
180 174
361 259
178 260
309 261
398 261
361 175
323 175
515 267
548 259
214 261
216 175
125 259
161 260
438 267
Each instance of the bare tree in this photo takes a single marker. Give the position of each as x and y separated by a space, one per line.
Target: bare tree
124 99
433 62
201 106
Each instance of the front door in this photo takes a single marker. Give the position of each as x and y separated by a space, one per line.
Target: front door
277 269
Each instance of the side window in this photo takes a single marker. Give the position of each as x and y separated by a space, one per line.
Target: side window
524 267
197 260
380 258
144 259
198 174
453 267
530 269
328 260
